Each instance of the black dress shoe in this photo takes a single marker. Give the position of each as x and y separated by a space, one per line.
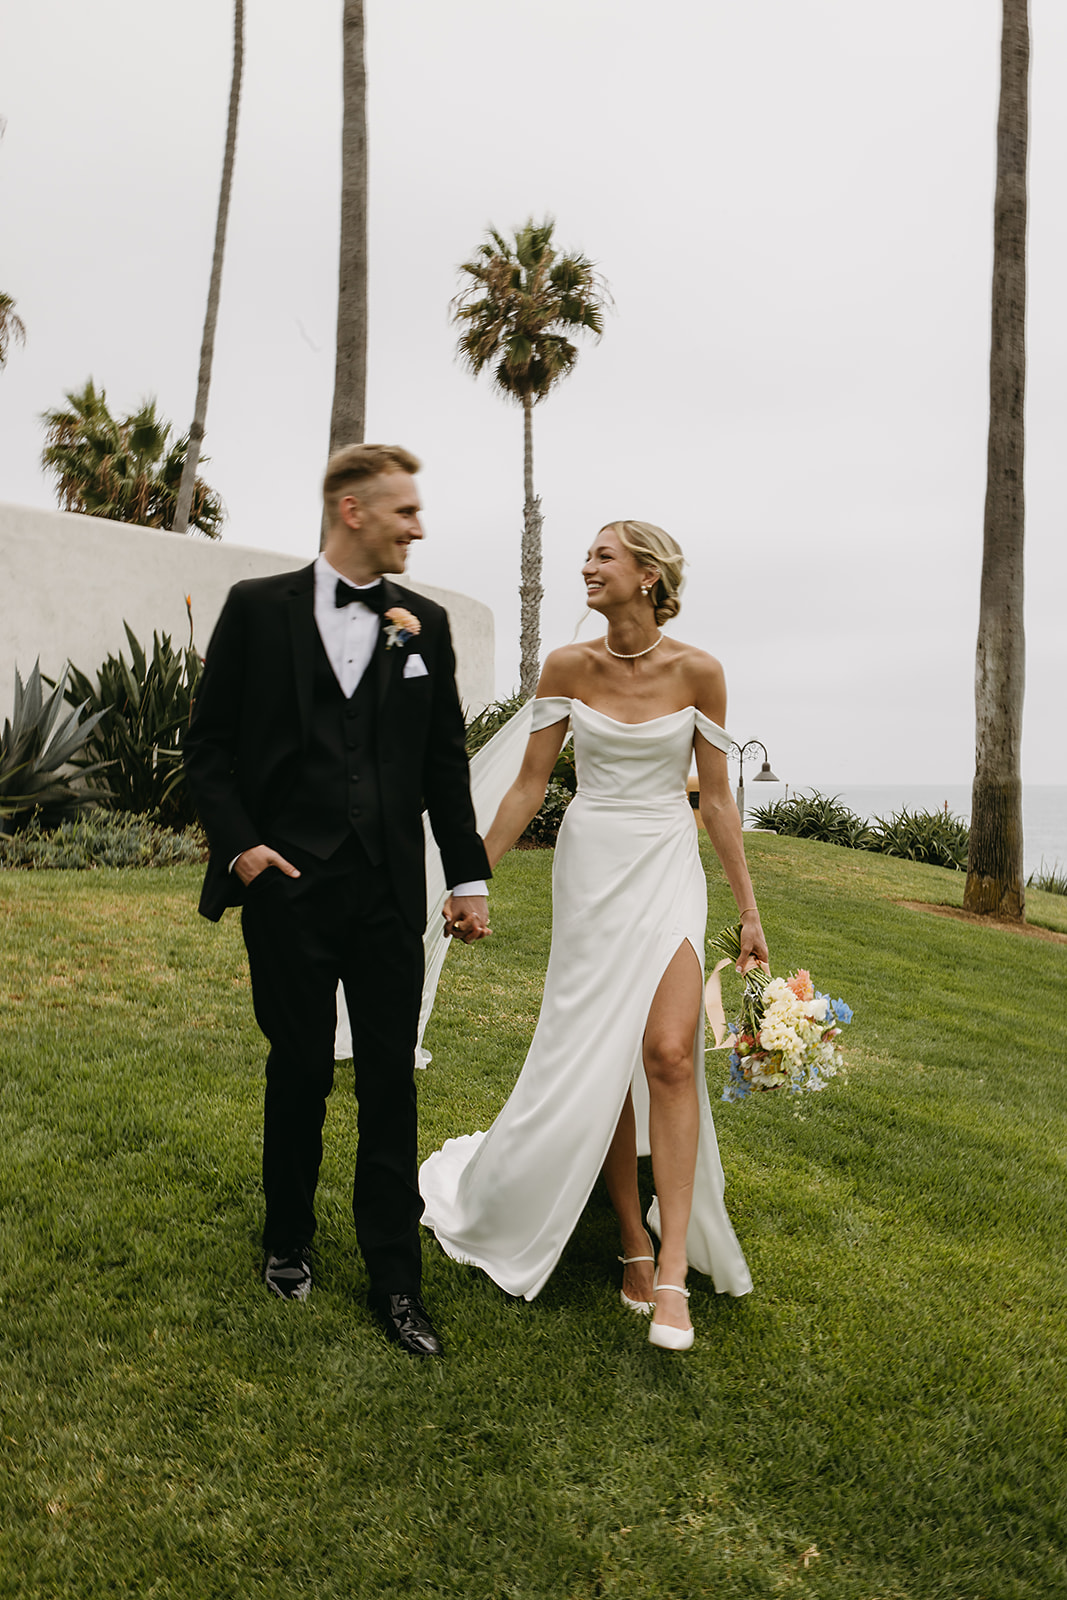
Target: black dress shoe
288 1275
407 1323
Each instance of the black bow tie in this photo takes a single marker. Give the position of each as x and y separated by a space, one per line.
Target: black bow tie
373 598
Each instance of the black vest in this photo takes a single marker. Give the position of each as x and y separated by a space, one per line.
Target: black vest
336 791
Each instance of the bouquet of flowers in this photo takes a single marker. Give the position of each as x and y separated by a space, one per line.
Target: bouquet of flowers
785 1032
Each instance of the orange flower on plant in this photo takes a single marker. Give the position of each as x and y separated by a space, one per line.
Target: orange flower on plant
801 985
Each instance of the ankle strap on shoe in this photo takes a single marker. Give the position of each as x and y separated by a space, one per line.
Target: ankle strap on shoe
657 1288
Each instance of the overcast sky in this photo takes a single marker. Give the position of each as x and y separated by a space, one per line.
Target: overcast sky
792 203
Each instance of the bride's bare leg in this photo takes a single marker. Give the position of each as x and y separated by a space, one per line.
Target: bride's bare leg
673 1118
620 1175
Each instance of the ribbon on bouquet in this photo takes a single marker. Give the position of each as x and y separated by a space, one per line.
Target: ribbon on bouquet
713 1006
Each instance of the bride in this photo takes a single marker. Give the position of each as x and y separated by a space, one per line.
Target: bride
616 1065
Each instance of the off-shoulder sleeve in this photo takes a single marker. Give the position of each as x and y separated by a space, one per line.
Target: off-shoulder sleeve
713 733
549 709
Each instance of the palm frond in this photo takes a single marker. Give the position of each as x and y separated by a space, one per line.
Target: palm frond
12 327
517 299
125 469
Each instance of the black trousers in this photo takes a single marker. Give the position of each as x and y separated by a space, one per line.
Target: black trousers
338 921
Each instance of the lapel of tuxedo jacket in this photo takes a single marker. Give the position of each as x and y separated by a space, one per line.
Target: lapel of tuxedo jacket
386 661
304 638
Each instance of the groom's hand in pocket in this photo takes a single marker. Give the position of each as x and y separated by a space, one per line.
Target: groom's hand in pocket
467 917
250 863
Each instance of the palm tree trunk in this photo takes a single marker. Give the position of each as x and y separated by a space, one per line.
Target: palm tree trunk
207 345
530 590
995 861
348 417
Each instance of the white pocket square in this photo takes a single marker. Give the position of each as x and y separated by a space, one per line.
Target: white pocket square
415 667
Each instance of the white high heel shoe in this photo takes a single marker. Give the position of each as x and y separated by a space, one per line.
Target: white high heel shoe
661 1334
644 1308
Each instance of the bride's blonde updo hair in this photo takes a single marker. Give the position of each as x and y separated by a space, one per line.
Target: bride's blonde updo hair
651 547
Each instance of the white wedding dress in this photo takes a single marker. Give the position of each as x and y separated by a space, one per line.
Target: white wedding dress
628 890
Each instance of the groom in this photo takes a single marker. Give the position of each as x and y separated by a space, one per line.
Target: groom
327 717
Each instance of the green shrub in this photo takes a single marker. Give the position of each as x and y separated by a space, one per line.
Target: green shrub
143 711
934 837
490 720
1052 879
101 838
545 826
44 765
815 816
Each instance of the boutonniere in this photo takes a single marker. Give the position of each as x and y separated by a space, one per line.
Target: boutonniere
401 626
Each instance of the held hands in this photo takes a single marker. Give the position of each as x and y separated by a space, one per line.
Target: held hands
250 863
467 917
753 944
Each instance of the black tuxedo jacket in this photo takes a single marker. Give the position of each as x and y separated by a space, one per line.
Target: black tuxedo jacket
252 717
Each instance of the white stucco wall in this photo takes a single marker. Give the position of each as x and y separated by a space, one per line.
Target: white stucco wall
67 584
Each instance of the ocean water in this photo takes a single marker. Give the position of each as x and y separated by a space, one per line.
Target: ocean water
1044 810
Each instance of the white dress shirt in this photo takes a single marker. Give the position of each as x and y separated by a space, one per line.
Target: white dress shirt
348 633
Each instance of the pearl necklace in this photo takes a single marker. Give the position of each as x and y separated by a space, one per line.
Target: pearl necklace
622 656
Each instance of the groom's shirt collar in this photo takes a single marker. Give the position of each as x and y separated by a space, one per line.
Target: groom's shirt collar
348 633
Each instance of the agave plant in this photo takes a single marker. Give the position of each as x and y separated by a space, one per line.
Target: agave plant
935 838
482 726
43 759
932 837
816 816
142 709
1053 880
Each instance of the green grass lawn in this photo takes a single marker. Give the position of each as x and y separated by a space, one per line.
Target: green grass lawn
888 1405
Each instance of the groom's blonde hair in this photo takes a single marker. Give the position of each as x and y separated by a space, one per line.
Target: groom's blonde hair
355 464
652 547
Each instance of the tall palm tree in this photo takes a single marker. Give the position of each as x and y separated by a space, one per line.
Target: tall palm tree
995 884
12 327
519 301
207 343
347 418
348 415
124 468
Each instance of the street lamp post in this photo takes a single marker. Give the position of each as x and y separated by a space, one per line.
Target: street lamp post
764 775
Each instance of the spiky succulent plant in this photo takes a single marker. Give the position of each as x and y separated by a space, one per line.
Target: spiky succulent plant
43 767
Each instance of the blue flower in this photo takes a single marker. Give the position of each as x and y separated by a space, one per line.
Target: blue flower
736 1091
841 1011
737 1087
